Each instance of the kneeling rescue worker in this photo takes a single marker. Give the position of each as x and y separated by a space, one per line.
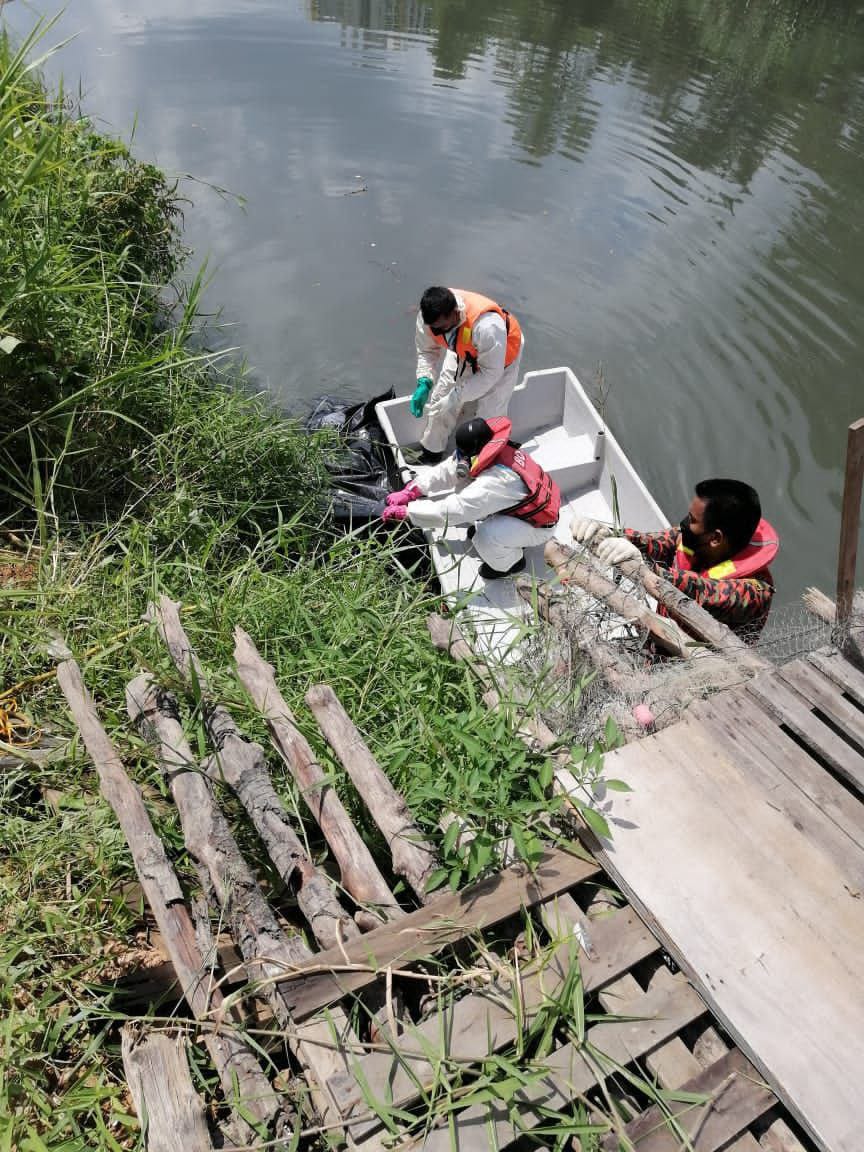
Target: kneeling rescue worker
718 555
496 486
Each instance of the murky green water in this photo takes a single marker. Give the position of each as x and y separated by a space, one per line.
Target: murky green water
671 189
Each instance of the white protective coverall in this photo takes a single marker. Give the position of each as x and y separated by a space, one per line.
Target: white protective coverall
491 386
500 540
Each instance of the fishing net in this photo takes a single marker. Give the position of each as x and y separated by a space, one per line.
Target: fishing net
575 699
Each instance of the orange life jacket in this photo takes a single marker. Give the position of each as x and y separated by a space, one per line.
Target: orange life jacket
750 561
543 502
475 307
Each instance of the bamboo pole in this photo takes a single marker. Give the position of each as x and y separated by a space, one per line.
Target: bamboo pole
244 1084
414 858
850 522
360 874
242 764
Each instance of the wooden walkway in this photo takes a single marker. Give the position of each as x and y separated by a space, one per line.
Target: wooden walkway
461 1021
742 844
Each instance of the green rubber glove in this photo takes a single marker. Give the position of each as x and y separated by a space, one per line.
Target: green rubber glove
421 395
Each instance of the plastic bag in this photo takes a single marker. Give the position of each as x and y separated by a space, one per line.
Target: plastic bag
361 464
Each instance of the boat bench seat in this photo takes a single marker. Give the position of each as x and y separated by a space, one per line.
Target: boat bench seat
572 461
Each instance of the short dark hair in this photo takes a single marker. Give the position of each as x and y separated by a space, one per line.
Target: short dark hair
436 302
733 507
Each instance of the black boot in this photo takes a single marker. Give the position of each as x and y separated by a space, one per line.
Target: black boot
493 574
427 457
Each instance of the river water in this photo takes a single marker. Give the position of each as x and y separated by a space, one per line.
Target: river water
667 194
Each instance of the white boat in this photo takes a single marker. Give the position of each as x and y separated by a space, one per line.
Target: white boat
557 424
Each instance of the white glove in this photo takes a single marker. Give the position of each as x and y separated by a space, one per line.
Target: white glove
617 549
450 400
583 529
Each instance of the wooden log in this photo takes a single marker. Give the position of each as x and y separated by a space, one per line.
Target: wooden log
244 1084
850 522
820 605
681 608
242 764
267 952
414 858
668 695
575 569
209 840
447 637
360 874
172 1114
609 663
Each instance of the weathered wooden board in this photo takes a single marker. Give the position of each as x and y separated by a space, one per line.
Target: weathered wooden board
172 1114
735 1097
817 804
845 675
568 1073
796 712
480 1023
757 913
443 921
826 696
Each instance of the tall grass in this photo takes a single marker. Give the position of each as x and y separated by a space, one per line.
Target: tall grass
135 463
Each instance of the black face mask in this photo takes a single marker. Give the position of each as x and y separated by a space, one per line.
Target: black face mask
690 539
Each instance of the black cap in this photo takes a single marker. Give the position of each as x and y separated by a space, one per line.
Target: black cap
472 436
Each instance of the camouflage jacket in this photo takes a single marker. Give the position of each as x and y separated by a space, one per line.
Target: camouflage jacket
742 603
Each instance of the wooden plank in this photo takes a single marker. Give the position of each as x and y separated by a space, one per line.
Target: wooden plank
796 713
779 1137
736 1097
172 1114
673 1063
568 1073
823 693
845 675
444 920
414 858
758 915
481 1023
243 1080
799 787
850 520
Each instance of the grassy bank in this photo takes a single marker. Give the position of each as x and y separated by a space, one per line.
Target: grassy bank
133 464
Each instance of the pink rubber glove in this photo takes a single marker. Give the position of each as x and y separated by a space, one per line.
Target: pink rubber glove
403 496
394 512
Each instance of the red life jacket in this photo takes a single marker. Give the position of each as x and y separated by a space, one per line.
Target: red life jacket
475 307
750 561
543 502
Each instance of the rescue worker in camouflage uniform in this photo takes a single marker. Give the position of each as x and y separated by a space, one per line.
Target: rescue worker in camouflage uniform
718 555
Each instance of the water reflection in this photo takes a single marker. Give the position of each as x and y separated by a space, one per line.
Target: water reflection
669 187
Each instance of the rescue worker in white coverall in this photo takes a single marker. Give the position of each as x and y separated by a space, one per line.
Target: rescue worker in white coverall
468 350
497 488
